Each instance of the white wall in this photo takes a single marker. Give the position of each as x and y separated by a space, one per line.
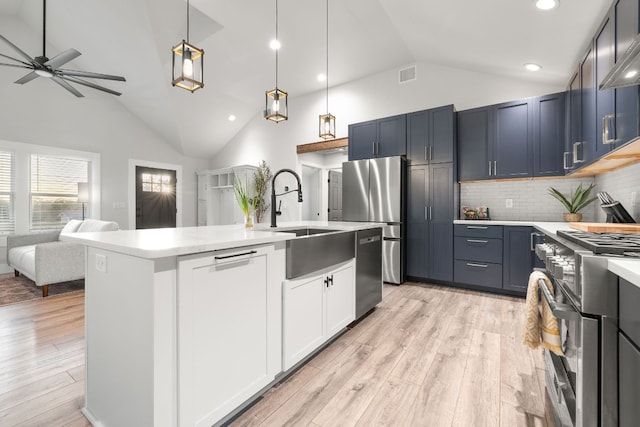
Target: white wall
373 97
43 113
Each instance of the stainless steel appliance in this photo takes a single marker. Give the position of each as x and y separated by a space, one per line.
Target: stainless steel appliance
373 190
368 270
583 383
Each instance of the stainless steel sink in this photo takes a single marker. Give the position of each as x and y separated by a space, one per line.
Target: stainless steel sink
309 231
315 249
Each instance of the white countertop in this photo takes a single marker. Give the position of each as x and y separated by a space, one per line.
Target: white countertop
168 242
545 227
628 269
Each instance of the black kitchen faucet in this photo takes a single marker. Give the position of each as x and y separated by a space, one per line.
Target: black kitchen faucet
273 193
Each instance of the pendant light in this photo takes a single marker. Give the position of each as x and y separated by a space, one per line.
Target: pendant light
188 69
327 123
276 101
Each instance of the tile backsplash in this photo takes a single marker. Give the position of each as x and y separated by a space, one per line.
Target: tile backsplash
532 202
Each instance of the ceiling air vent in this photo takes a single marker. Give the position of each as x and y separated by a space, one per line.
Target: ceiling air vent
407 74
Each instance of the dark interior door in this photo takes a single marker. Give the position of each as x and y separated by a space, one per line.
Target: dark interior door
155 198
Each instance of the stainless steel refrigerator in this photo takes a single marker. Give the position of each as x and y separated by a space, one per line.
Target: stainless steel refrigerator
374 191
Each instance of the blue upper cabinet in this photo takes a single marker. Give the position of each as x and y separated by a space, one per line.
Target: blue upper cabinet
431 136
604 50
574 127
626 121
378 138
549 135
474 140
585 148
512 154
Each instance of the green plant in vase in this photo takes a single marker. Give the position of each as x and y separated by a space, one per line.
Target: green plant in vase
261 181
575 202
245 202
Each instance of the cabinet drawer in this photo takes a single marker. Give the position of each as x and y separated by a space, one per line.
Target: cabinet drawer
478 249
475 230
629 382
478 273
629 313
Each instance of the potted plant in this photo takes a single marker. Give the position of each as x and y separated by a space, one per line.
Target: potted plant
261 181
576 201
244 201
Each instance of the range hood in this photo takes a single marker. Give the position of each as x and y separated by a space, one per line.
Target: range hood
626 72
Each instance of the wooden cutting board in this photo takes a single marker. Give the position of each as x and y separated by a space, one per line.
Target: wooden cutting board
604 227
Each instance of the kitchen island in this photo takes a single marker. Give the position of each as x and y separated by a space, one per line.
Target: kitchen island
184 326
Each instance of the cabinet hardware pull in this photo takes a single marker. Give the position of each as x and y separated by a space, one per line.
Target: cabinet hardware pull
430 214
606 130
565 161
430 152
534 235
235 255
489 167
477 241
575 152
426 213
495 168
373 148
330 279
473 264
425 153
476 227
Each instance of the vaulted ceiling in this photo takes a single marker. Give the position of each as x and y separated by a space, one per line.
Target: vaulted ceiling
133 38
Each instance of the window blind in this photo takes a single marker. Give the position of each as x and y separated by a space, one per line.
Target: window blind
54 190
7 216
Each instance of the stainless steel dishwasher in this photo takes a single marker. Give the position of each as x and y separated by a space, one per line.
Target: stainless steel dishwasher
368 270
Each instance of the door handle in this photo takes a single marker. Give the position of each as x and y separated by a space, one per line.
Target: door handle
565 161
606 129
575 152
561 311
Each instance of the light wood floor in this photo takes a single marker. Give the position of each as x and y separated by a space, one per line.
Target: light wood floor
427 356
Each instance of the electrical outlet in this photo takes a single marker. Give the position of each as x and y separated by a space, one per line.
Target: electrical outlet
101 263
509 203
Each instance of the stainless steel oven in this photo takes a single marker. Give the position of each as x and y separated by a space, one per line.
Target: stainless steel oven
581 384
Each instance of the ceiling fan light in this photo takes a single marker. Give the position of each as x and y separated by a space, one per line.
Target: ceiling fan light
188 68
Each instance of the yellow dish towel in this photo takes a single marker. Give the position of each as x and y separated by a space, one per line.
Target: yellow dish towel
540 327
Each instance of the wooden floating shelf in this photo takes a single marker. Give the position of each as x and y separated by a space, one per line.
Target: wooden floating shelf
333 144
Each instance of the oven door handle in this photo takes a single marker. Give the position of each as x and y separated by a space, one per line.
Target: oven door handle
561 311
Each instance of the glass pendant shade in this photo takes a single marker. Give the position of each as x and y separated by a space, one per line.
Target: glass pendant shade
188 68
327 126
276 106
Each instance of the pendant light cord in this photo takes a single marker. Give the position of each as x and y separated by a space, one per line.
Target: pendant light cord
44 28
327 79
278 42
187 21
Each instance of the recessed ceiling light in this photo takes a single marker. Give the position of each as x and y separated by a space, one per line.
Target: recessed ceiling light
232 118
532 67
547 4
322 77
275 44
630 74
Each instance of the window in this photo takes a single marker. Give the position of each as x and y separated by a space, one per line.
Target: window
7 216
156 183
54 190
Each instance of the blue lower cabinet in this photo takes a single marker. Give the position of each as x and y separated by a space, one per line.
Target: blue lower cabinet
478 273
518 259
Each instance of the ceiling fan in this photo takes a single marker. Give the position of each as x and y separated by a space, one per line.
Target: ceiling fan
42 66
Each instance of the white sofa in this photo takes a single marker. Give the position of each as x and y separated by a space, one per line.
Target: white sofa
46 260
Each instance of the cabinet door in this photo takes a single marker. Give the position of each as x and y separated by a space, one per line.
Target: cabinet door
473 143
586 148
362 140
225 351
626 97
303 310
417 222
392 136
575 124
513 144
341 304
629 382
441 192
442 136
604 48
418 138
548 135
517 260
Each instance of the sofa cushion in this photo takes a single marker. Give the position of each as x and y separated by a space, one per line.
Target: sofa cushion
71 226
22 258
97 225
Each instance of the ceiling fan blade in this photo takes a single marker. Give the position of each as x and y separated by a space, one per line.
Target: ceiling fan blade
62 58
27 78
67 86
17 60
16 66
91 85
90 75
17 49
